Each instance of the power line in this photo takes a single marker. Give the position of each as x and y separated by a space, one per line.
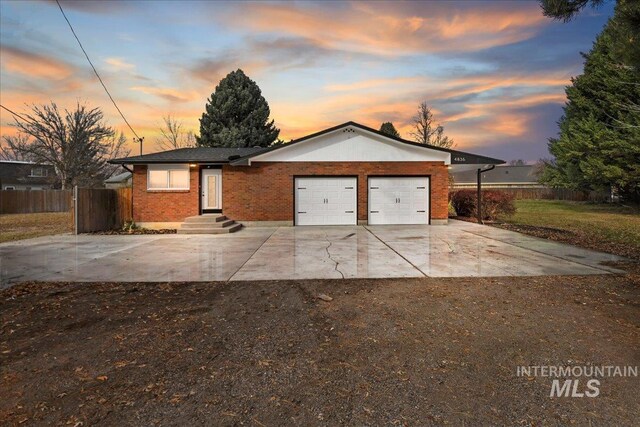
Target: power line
14 113
97 75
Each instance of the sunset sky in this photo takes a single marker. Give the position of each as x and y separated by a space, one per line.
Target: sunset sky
494 72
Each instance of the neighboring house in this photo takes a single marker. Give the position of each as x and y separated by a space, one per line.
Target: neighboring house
348 174
119 181
19 175
503 176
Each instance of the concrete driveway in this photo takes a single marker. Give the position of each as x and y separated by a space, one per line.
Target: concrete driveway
457 249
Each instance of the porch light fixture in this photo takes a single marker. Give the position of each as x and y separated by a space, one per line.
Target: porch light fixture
193 165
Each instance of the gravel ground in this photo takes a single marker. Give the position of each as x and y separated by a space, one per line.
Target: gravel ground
381 352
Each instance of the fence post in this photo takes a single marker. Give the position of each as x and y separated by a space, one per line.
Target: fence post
75 209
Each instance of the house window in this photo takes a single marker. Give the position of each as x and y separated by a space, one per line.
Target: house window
168 177
38 172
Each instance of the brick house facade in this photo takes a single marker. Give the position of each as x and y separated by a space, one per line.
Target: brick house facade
247 199
258 184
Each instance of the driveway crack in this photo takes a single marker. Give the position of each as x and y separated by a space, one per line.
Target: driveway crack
326 237
452 248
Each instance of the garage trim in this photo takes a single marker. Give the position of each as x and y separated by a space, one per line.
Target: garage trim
293 189
401 176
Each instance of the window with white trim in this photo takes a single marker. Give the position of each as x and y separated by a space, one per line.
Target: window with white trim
168 177
38 172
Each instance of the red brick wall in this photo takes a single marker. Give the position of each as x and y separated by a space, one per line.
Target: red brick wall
264 191
164 206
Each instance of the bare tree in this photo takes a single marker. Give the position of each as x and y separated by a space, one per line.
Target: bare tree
14 148
117 147
427 131
518 162
172 136
76 143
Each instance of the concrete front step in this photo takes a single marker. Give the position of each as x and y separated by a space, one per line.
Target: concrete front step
217 224
207 218
210 230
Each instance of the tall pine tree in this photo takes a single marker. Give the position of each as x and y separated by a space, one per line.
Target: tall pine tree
237 115
389 129
598 146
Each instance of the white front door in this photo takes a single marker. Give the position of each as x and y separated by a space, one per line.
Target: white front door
211 189
398 200
326 201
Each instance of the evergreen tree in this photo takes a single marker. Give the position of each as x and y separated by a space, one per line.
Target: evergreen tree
389 129
237 115
598 146
627 28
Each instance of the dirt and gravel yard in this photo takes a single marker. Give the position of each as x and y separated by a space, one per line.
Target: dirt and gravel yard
382 352
27 226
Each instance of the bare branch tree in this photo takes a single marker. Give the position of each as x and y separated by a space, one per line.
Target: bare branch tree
117 148
427 131
517 162
172 136
77 143
14 148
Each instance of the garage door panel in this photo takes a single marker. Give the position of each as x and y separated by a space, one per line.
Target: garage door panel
325 201
398 200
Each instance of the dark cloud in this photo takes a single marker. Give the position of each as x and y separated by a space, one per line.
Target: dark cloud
95 6
269 54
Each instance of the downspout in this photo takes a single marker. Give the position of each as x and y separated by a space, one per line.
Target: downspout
479 197
131 172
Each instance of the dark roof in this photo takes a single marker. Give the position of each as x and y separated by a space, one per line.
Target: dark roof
188 155
501 174
14 172
241 155
457 157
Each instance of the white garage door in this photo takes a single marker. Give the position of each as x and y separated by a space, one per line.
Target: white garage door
325 201
403 200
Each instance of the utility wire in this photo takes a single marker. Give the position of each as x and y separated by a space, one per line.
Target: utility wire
14 113
96 72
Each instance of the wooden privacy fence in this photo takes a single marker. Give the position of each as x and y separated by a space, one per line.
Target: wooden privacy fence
99 209
34 201
550 194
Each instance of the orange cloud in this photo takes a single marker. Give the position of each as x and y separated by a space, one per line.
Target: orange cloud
376 28
31 64
169 94
119 64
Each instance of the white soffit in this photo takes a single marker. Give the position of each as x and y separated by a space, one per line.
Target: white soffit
351 144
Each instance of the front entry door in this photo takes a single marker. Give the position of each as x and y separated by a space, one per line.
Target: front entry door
211 189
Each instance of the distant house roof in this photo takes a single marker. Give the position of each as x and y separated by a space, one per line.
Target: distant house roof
502 174
116 179
187 155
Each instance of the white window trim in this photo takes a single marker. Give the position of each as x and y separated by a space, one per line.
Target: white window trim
168 167
44 173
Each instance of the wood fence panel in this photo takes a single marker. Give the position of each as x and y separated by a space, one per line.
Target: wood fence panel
550 194
35 201
100 209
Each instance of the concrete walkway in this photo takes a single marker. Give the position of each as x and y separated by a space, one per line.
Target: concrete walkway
457 249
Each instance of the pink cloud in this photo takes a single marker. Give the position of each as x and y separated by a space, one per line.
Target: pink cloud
31 64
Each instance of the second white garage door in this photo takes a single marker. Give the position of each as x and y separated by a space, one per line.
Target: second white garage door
325 201
398 200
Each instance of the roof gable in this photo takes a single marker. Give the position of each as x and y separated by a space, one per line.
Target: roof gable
351 144
454 156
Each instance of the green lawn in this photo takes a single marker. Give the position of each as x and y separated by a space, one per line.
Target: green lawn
26 226
600 225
